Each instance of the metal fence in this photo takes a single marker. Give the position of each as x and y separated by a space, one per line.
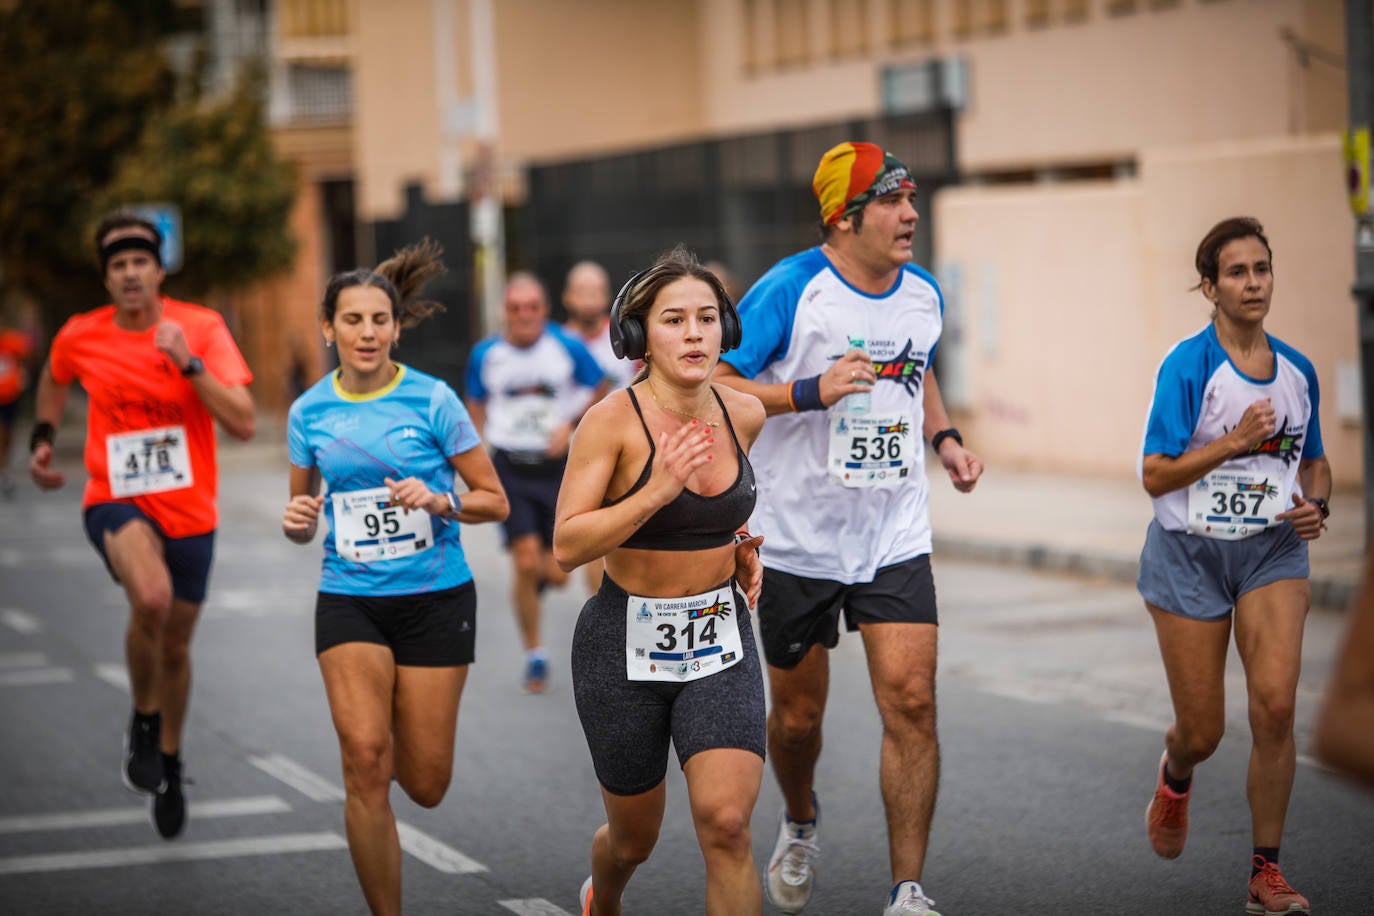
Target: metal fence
441 345
744 200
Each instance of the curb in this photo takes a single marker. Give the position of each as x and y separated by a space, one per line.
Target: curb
1328 592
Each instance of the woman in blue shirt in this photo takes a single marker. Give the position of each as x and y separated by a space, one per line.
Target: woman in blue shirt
1233 459
395 618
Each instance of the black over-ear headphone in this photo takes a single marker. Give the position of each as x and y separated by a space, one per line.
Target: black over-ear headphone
628 340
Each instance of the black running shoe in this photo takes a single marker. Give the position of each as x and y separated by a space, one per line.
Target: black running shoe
142 758
169 805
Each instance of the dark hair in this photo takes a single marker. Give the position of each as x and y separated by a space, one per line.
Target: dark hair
400 276
123 219
856 221
679 263
1222 234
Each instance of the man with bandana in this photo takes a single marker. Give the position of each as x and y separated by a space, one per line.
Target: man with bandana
837 344
158 374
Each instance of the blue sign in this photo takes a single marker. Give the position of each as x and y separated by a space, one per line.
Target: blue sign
167 219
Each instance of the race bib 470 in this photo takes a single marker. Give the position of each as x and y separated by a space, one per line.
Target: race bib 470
148 461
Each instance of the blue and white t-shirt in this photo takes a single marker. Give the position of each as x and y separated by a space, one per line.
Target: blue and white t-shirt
1200 396
410 428
797 319
528 391
620 371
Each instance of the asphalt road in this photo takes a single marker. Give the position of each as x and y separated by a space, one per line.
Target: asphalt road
1052 705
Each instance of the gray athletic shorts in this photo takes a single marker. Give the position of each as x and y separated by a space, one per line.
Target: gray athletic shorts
628 723
1201 577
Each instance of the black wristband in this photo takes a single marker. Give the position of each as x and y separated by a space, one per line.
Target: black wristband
43 431
942 435
806 394
1321 506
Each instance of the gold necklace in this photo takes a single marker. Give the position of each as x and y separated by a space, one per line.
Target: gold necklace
714 424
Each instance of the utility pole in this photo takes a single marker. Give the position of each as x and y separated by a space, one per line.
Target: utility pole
1359 37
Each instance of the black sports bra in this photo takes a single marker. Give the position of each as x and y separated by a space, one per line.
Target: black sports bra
692 521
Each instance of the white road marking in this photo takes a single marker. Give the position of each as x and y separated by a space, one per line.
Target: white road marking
421 845
178 852
112 817
535 906
23 660
117 676
27 677
309 784
20 621
435 854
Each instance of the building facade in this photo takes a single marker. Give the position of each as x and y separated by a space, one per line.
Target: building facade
1094 143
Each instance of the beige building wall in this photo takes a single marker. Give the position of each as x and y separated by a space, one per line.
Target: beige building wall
596 75
1100 88
1071 294
395 124
571 79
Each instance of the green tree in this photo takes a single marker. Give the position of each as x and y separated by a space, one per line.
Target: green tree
95 118
79 80
215 161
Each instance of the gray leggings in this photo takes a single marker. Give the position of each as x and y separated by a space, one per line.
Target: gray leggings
628 723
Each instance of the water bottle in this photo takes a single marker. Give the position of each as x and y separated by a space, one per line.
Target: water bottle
859 401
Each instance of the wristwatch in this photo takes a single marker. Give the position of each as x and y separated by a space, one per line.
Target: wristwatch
454 506
938 439
193 367
1321 505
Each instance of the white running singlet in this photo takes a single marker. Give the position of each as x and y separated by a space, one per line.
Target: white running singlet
798 319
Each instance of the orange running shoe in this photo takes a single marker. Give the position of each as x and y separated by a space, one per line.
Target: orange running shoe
1166 818
1271 895
584 897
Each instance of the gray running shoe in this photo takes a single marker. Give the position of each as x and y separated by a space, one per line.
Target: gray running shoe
792 870
907 899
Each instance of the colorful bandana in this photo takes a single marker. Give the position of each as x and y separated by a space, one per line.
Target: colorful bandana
852 174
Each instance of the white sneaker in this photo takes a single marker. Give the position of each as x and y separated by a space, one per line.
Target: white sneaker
907 899
791 872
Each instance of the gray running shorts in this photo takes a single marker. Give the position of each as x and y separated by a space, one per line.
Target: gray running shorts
628 724
1201 577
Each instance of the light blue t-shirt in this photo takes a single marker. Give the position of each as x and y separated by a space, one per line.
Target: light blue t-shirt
410 428
1200 396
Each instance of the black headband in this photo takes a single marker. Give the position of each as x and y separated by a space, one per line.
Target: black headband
129 243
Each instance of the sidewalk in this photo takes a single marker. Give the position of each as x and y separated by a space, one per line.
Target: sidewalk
1096 526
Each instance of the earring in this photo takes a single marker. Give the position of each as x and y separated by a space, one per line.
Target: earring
328 344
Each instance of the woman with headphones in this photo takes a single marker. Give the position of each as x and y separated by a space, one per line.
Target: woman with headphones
659 484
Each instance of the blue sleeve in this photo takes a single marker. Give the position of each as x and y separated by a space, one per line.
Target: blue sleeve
586 370
472 380
939 295
297 441
766 313
1312 443
1179 387
450 422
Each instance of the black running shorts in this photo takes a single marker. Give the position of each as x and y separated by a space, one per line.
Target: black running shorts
796 613
429 629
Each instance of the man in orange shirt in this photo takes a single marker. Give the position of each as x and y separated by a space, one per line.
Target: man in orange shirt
158 373
15 349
